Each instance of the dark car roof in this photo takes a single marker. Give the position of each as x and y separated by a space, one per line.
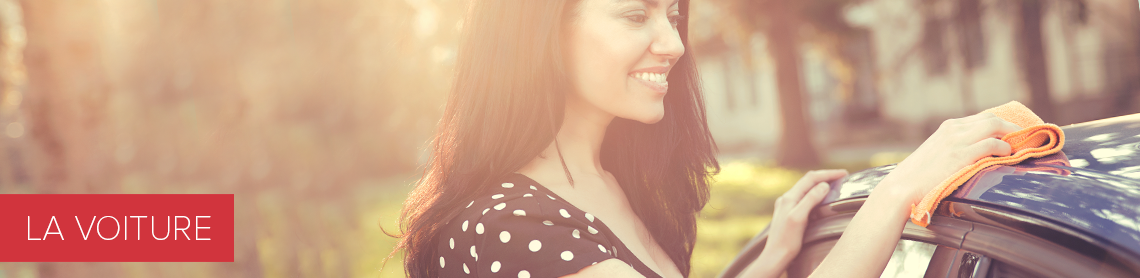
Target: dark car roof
1092 185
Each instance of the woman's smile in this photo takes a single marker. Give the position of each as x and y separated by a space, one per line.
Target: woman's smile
653 77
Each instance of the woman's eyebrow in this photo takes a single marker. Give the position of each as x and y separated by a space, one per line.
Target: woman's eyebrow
650 3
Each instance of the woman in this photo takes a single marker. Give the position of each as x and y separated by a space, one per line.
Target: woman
567 113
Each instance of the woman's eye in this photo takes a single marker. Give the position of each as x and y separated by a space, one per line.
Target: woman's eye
676 20
638 18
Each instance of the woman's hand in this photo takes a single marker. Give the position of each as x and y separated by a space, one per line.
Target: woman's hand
956 144
785 235
866 245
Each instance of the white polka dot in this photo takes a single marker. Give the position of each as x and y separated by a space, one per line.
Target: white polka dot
535 245
479 228
615 250
505 236
551 197
464 225
485 211
603 248
452 243
465 270
564 213
471 203
524 274
495 267
500 206
591 230
508 185
576 234
519 212
496 196
441 262
473 254
533 188
528 195
567 256
547 223
590 217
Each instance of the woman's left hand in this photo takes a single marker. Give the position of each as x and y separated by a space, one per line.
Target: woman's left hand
785 235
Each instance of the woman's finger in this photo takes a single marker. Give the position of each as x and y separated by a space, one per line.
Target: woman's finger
782 206
991 128
975 117
810 179
987 147
799 213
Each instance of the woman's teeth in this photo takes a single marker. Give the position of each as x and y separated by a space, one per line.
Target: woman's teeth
651 77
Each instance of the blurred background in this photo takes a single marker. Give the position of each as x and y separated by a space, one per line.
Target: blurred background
316 114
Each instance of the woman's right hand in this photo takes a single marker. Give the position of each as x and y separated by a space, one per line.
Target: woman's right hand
956 144
869 239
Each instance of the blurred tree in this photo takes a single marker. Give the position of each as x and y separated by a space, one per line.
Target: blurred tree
785 23
795 147
1126 97
1034 65
965 22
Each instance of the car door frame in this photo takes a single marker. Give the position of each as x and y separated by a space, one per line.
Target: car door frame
963 226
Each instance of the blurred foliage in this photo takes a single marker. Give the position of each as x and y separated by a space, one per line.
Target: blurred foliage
302 109
747 188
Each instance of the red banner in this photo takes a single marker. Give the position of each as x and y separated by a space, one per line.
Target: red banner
116 227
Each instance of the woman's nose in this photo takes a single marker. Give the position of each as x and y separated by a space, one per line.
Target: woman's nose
667 41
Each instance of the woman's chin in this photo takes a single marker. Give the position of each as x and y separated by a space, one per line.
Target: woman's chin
651 119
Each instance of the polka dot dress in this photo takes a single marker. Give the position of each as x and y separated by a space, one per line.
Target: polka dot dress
521 229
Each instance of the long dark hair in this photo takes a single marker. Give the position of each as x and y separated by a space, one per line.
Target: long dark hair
505 108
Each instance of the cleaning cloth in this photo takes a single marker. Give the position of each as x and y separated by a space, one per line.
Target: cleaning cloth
1035 139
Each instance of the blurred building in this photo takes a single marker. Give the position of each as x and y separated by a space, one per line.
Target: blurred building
911 64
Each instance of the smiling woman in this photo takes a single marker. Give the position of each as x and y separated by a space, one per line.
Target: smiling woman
587 102
620 53
567 113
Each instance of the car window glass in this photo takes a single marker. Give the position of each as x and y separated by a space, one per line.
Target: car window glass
909 259
1000 269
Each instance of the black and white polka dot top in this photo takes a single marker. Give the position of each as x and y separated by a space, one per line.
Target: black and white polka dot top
521 229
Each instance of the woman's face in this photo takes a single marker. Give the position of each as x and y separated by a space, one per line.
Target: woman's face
619 53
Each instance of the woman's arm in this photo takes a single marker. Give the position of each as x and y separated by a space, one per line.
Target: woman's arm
868 242
785 236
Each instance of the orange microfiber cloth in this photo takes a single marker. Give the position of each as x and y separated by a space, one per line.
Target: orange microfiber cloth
1035 139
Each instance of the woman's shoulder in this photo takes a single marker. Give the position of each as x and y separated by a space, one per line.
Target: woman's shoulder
514 195
521 227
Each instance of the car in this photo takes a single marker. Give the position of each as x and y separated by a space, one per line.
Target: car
1075 213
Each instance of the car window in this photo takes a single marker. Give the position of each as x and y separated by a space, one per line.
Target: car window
973 265
910 259
1003 270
